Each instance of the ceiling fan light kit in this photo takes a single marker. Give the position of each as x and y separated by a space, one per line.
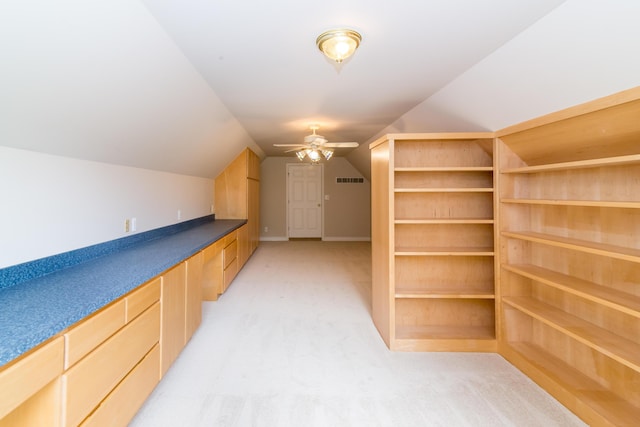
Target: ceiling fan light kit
315 147
339 44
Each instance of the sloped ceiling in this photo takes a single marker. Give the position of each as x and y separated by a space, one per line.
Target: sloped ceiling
102 81
260 57
183 85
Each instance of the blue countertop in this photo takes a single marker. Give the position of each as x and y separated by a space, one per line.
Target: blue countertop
37 309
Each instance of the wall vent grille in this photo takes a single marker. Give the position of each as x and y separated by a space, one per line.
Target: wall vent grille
349 180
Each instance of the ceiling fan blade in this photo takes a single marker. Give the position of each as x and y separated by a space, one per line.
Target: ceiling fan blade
290 145
296 149
341 145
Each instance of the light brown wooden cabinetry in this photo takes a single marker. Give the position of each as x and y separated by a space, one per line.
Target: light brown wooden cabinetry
30 387
193 297
172 335
570 256
237 194
83 372
433 240
104 351
212 271
222 260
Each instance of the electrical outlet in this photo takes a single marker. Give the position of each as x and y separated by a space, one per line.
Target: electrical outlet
266 229
134 224
127 225
179 214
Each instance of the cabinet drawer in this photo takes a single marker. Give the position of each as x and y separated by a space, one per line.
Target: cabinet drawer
212 280
124 401
91 379
230 253
21 380
230 273
86 336
142 298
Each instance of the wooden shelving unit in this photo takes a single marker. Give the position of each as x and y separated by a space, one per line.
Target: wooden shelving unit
433 241
569 255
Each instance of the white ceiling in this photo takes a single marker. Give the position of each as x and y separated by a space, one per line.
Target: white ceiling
182 86
260 57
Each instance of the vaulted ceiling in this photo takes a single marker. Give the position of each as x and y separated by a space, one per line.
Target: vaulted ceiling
260 57
183 85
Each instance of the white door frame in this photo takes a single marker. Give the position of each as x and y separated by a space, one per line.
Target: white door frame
321 166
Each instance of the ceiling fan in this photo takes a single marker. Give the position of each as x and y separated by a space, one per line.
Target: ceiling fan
315 146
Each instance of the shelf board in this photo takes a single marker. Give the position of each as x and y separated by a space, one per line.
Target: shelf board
585 203
445 169
443 251
445 190
445 221
602 295
442 294
614 346
589 393
580 164
445 332
612 251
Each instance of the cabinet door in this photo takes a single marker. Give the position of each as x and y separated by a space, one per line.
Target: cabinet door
231 190
243 245
212 271
253 220
172 337
253 165
193 298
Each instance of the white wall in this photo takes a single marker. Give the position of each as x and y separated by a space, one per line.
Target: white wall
582 50
101 84
102 80
53 204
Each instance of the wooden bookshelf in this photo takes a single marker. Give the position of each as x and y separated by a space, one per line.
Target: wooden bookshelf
433 241
569 256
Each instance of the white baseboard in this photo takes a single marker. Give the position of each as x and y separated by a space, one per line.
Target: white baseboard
325 239
346 239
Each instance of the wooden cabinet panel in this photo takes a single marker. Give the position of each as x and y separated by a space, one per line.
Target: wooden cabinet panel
230 253
253 219
91 379
123 402
90 333
143 298
41 409
230 273
193 297
237 194
172 337
28 375
253 165
243 245
231 190
212 271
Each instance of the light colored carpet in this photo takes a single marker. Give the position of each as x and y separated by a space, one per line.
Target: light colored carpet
292 343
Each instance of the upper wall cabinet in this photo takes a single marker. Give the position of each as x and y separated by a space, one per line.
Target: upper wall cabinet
237 194
433 241
569 190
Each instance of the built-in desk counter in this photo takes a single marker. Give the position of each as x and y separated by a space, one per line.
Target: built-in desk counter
35 310
122 310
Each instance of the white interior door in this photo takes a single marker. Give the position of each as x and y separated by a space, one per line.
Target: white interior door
304 200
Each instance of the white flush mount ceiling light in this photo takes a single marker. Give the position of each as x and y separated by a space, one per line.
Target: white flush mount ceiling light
339 44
